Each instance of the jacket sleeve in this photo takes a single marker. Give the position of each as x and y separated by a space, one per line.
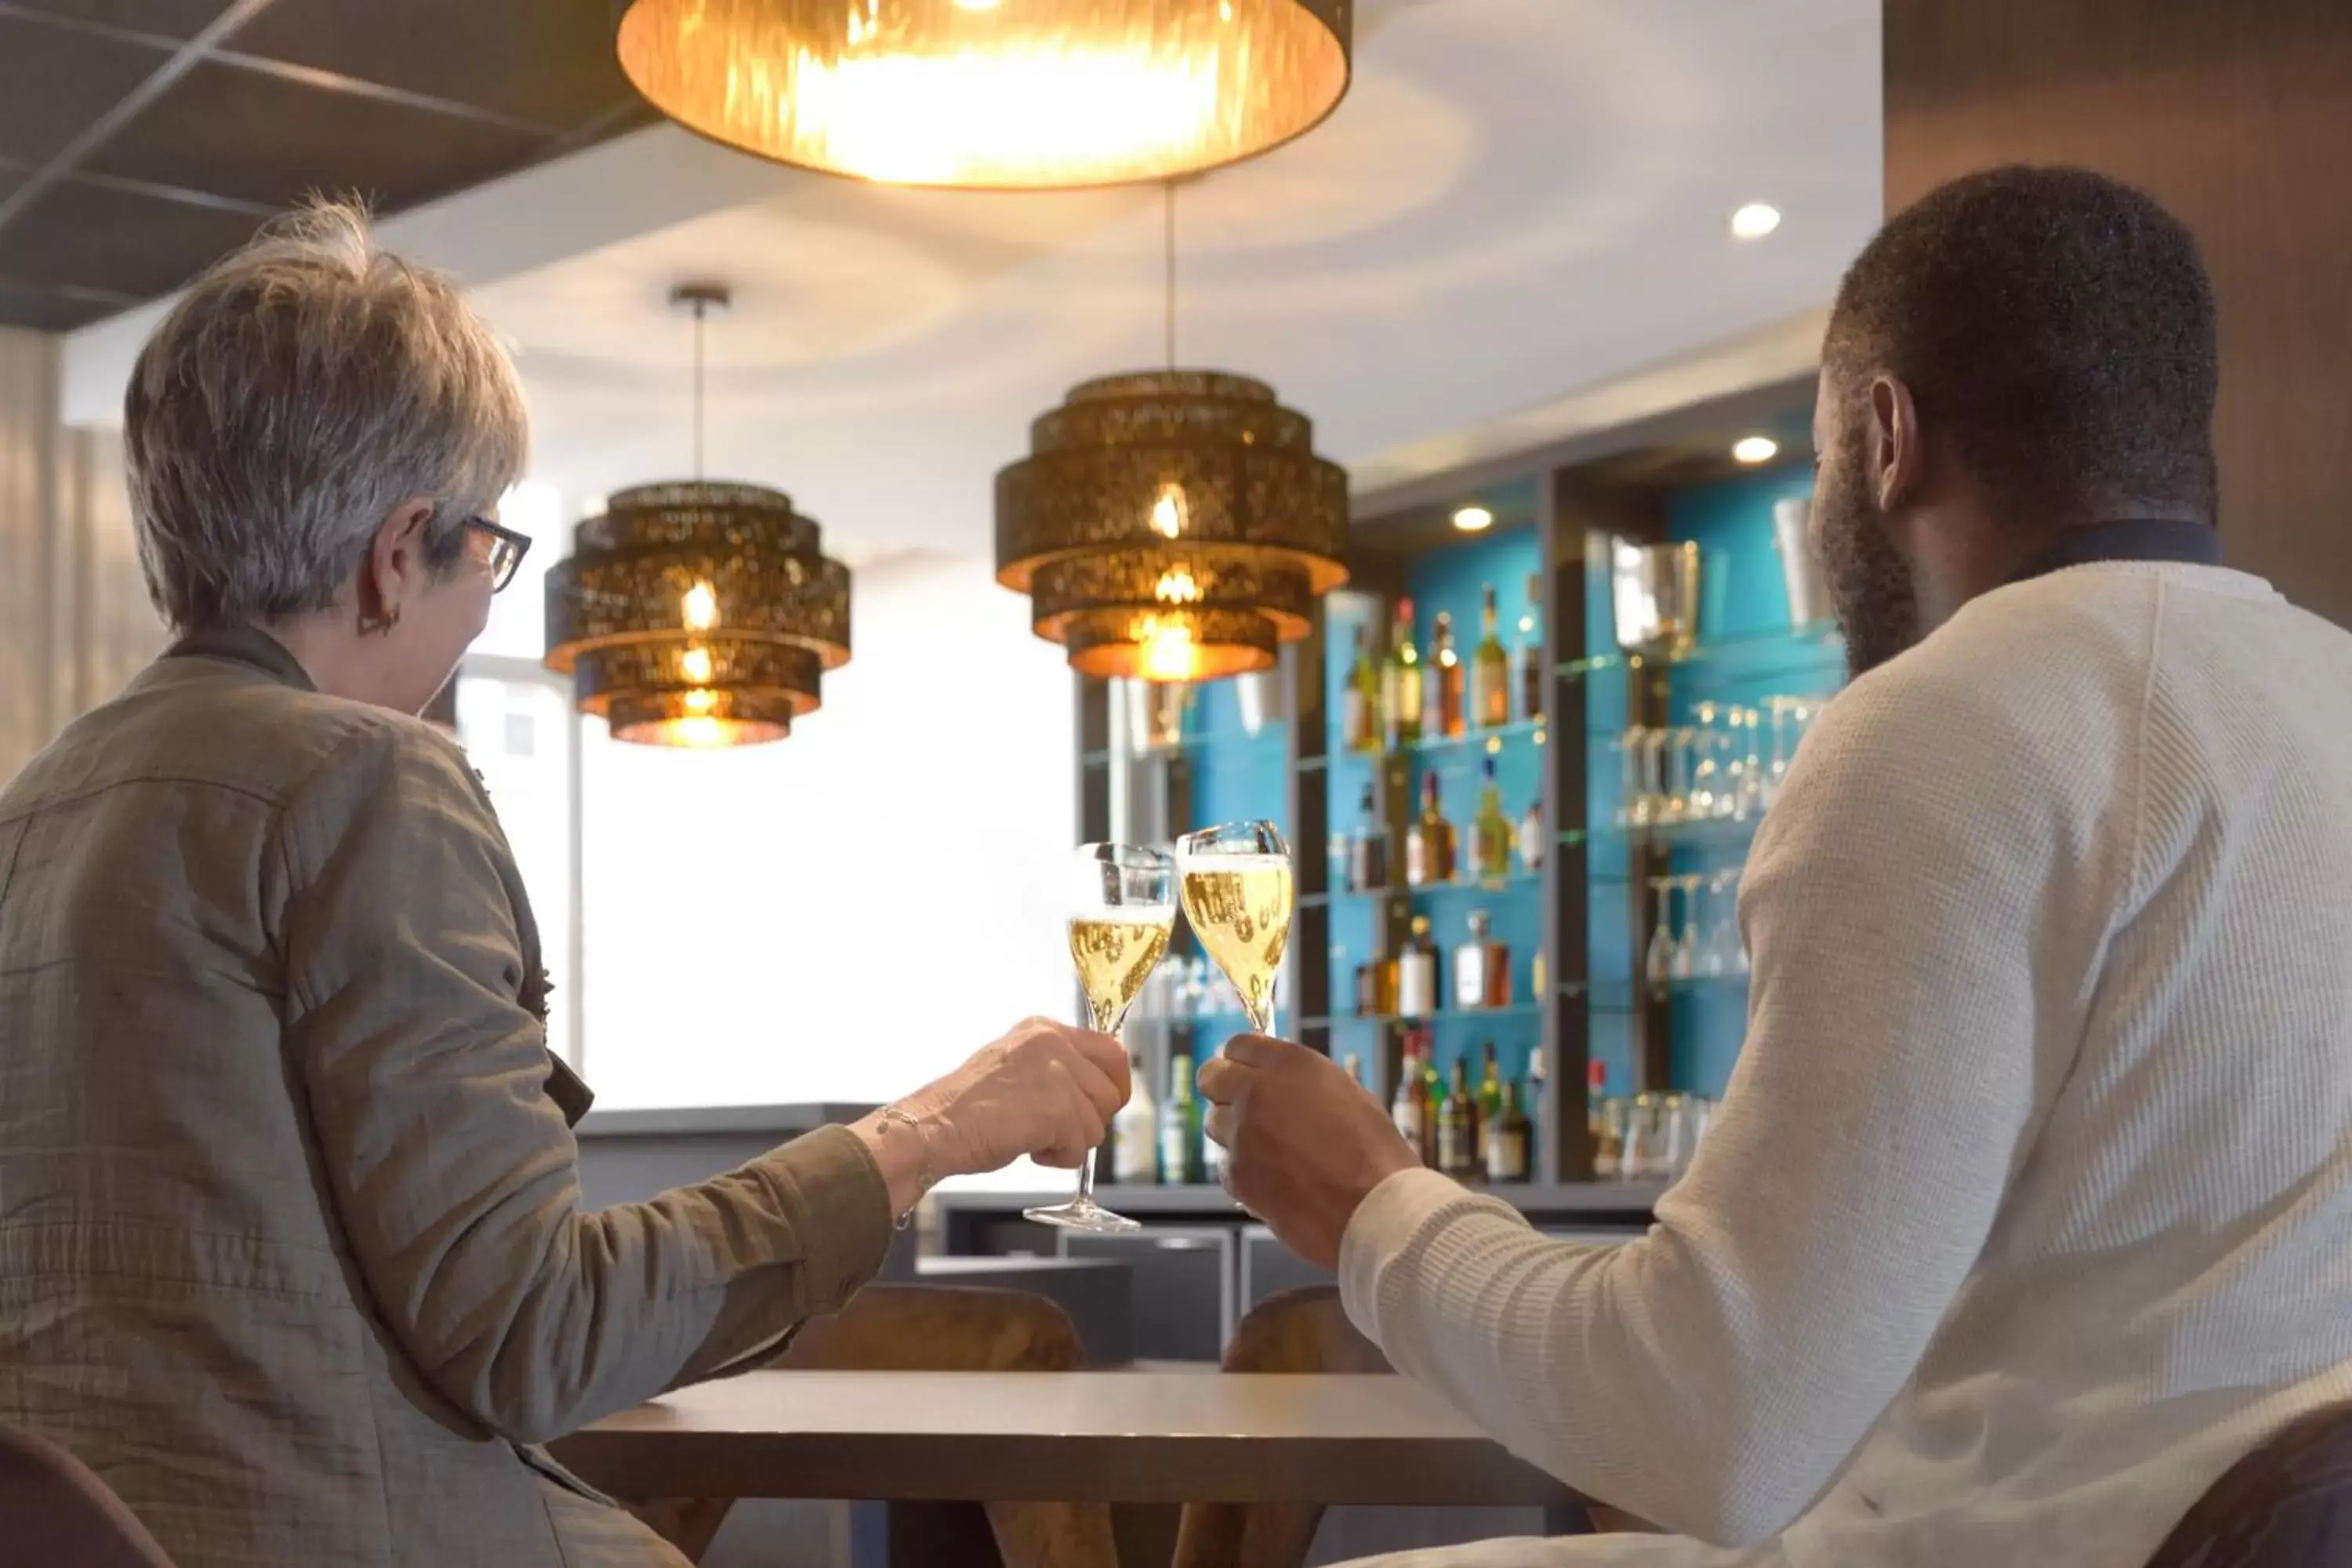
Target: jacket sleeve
456 1178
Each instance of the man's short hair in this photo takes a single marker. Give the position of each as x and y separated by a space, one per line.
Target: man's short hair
300 391
2058 326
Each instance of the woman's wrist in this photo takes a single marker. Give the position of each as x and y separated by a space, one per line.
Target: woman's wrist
901 1138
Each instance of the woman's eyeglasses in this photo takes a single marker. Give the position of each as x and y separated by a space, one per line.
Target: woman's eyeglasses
503 549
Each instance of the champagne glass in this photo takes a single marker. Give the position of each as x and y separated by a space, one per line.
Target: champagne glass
1237 886
1122 907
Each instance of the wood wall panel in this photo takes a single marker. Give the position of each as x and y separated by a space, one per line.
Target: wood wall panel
2237 114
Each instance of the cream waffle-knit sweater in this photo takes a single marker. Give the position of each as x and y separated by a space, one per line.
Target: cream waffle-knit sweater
2030 1206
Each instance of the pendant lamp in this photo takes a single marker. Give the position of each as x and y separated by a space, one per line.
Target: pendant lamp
696 614
1171 524
992 94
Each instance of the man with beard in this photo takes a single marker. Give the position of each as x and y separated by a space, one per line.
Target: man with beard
2028 1210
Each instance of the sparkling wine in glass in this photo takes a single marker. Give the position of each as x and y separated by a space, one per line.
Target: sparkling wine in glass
1237 894
1122 907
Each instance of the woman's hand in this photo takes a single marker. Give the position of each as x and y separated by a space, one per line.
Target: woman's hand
1047 1090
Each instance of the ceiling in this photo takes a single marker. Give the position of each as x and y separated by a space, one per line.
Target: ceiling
140 139
1514 224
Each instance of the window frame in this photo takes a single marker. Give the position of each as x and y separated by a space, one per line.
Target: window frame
517 670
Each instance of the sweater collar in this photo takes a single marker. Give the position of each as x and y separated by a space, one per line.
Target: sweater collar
2129 538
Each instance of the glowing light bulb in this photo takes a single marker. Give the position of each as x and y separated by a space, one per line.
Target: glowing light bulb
1474 519
1168 652
1754 449
699 701
700 607
1176 586
1754 220
696 666
1169 513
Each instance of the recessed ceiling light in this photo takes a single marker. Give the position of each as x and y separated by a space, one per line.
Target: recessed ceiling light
1474 519
1754 220
1756 448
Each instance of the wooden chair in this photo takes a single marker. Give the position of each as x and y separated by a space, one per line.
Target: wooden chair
2288 1504
56 1513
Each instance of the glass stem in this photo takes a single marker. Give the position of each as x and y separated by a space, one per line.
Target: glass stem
1086 1198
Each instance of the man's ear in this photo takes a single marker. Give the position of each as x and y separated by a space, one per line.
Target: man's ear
1898 453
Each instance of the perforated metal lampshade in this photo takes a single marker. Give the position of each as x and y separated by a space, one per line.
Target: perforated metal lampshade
994 94
1172 525
698 615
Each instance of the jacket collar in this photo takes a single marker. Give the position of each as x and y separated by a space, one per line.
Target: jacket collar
248 646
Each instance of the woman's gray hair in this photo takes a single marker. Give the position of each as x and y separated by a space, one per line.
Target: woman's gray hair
301 390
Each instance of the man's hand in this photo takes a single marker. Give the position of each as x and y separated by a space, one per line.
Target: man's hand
1308 1144
1047 1090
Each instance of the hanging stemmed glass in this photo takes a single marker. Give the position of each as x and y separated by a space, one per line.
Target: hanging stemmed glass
1122 907
1237 893
1658 962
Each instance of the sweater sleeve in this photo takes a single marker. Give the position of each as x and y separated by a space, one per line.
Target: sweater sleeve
455 1177
1903 907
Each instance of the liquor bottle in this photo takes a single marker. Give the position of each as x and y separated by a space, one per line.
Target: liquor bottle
1531 666
1490 670
1135 1132
1492 836
1598 1120
1508 1139
1409 1109
1457 1127
1531 838
1533 1096
1441 704
1429 841
1400 683
1179 1127
1417 972
1359 705
1367 850
1482 967
1433 1093
1490 1104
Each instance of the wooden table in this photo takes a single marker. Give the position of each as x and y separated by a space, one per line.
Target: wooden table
1081 1436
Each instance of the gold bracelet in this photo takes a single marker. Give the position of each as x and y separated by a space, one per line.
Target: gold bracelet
888 1114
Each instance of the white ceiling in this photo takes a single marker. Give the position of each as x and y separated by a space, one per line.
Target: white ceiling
1519 201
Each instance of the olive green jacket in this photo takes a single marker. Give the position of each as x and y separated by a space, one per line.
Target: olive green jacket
291 1249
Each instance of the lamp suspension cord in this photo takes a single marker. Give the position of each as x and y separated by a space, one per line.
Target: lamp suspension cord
1168 232
698 311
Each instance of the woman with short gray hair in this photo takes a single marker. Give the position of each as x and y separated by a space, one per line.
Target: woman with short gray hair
291 1249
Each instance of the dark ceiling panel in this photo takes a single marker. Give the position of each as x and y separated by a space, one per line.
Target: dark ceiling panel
136 246
44 311
54 81
177 18
237 132
548 61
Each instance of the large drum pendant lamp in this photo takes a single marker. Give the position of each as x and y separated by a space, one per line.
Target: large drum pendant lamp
992 94
695 614
1172 525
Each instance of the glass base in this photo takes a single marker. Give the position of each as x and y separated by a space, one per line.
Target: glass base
1083 1213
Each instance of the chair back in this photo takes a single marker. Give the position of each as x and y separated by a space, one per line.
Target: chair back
56 1513
2288 1504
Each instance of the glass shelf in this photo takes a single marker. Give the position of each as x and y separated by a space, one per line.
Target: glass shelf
1530 730
1443 1015
1483 884
1708 832
1621 996
1806 646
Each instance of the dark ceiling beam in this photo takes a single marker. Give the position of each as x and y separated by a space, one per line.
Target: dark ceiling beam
356 86
99 131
